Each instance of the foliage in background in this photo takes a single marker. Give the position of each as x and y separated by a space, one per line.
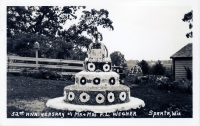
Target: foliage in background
41 20
44 24
118 59
168 73
144 66
22 44
188 73
189 18
158 68
42 74
89 22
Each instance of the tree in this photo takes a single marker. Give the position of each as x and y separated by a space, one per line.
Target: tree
22 44
118 59
28 24
89 22
49 19
42 20
144 66
17 19
79 41
189 18
158 68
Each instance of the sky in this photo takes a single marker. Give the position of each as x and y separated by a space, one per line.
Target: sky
153 32
142 30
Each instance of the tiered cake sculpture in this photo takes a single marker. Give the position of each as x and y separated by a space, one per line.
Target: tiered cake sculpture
97 87
97 84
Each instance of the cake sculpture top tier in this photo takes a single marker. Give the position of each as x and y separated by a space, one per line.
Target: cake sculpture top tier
97 50
98 59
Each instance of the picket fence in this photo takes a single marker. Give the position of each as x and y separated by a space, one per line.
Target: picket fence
16 64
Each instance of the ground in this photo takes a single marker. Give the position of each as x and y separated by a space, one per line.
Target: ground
30 95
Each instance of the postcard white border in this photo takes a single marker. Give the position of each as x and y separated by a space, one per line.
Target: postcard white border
130 121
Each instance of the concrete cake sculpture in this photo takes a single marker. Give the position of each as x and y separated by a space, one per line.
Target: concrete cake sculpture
97 87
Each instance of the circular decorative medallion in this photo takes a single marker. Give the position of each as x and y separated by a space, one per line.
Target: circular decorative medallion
122 96
71 96
100 98
112 80
96 81
111 97
83 80
106 67
84 97
91 67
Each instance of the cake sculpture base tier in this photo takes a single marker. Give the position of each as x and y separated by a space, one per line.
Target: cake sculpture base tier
85 95
58 103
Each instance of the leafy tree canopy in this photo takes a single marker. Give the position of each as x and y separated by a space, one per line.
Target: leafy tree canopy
144 66
118 59
45 25
45 20
188 17
89 22
158 68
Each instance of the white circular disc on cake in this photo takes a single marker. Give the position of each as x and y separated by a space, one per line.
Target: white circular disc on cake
91 67
87 97
58 103
71 96
101 100
106 67
111 97
122 96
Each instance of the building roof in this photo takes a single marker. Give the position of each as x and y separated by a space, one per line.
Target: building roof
186 51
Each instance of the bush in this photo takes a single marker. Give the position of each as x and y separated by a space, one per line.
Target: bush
42 74
164 83
169 74
188 72
184 86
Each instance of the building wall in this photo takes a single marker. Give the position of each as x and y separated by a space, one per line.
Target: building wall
179 67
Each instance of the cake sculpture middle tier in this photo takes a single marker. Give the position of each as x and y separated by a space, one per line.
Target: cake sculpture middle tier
97 79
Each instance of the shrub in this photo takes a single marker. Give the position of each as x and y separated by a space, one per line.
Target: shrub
188 72
164 83
42 74
169 74
184 86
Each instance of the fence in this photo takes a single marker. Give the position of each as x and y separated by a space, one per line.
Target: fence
16 64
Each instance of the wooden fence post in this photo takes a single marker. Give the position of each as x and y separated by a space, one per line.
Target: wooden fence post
36 47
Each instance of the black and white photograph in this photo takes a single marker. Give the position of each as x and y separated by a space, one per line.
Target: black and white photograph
100 62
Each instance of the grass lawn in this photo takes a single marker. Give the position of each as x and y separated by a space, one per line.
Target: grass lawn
30 95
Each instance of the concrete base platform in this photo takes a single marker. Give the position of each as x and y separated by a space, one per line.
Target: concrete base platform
58 103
